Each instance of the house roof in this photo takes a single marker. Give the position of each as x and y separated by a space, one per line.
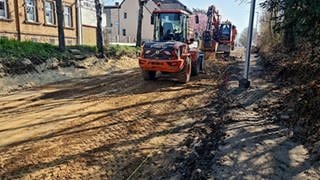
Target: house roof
172 4
164 4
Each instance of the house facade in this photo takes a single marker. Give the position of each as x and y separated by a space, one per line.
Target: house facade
36 20
122 19
88 22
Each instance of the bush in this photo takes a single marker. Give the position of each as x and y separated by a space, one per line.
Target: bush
118 51
13 49
84 49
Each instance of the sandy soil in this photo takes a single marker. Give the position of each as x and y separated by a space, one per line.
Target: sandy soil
51 71
117 126
100 127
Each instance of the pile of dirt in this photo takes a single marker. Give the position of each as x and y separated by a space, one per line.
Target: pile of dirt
27 73
298 77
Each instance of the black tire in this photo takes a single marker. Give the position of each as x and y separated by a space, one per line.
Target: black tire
185 74
149 75
202 64
226 54
196 68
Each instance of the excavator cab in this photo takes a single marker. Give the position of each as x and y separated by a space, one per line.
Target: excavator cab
170 26
225 32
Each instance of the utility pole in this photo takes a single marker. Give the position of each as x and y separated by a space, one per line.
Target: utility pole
99 29
79 22
245 83
140 18
62 43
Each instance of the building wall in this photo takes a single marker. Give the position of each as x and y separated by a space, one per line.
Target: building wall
8 26
113 30
37 31
129 24
89 22
89 35
41 32
147 27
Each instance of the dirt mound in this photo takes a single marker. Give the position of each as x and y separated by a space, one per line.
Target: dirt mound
27 73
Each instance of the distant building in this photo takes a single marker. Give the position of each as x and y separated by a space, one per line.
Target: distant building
122 19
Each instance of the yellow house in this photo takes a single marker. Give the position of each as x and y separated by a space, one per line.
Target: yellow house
36 20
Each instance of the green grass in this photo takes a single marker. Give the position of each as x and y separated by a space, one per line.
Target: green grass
84 48
117 51
15 50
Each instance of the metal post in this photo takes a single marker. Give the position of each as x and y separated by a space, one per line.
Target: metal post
245 83
79 16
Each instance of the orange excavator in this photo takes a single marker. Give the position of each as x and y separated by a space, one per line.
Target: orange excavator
219 37
226 38
209 36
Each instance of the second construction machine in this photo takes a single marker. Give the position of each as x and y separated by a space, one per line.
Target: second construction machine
219 37
169 52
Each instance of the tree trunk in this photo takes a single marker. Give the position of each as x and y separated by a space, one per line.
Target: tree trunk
62 43
99 29
140 18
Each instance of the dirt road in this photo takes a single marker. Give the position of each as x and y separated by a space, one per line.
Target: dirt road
118 126
100 127
256 144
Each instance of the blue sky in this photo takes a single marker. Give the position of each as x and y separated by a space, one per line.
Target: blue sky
233 10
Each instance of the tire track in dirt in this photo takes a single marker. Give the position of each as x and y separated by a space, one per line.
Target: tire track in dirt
99 127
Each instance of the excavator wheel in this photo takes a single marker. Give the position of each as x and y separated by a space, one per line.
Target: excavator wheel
149 75
196 68
184 75
202 63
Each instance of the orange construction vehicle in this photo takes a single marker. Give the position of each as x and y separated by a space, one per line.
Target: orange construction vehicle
218 38
169 52
209 36
226 38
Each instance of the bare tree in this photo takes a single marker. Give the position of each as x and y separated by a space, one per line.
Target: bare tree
62 43
99 28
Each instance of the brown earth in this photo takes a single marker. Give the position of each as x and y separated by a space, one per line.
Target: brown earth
100 127
117 126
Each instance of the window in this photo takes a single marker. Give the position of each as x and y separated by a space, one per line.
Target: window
3 9
125 15
67 16
49 12
52 41
124 32
31 10
33 39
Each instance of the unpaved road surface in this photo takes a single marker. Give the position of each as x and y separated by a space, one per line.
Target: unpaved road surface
101 127
118 126
256 145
